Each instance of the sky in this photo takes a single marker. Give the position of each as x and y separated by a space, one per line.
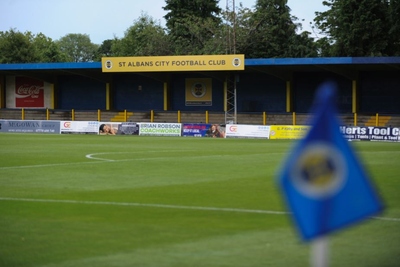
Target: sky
106 19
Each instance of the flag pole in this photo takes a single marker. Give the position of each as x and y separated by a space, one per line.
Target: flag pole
320 252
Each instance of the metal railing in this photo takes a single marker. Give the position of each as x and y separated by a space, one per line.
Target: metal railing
256 118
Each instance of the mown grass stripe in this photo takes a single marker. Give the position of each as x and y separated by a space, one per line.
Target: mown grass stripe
167 206
144 205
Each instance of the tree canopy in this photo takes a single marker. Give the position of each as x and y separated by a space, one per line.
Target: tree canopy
269 30
191 24
78 47
272 32
144 38
17 47
359 28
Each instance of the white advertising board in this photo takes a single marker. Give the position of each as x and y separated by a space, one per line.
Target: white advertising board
247 131
79 127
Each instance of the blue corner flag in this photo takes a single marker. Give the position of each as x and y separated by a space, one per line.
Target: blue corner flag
324 184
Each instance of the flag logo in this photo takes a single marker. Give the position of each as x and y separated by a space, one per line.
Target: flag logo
319 171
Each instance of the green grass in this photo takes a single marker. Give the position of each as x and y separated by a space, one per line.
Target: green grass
89 211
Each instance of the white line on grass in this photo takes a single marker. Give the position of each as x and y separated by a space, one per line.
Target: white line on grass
95 155
91 156
143 205
165 206
93 160
103 160
386 219
50 165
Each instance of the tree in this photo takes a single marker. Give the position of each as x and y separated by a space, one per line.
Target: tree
271 32
47 50
394 31
78 47
144 38
16 47
355 27
192 24
105 49
237 27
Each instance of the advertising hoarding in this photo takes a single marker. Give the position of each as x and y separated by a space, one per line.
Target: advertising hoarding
29 126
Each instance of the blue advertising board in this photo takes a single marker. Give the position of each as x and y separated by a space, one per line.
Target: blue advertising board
195 129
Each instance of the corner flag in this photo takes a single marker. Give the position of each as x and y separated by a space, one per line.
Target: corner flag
324 184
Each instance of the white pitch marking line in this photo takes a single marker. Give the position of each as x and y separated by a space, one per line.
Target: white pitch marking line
133 204
386 219
49 165
102 160
89 156
144 205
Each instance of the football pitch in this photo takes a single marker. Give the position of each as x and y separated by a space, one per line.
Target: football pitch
89 200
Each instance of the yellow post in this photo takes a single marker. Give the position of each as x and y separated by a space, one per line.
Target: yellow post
206 116
179 116
354 96
355 119
294 118
264 118
47 114
166 96
108 96
73 114
125 115
23 114
52 95
98 115
152 116
288 96
377 120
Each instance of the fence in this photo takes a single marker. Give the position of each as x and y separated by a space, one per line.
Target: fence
254 118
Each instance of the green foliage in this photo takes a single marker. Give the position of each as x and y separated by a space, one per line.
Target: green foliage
192 25
347 28
47 50
105 49
16 47
144 38
272 33
26 47
78 47
359 28
394 30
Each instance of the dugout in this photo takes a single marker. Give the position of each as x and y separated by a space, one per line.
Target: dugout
274 85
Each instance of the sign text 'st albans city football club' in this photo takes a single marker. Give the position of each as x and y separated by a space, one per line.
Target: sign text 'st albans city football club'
173 63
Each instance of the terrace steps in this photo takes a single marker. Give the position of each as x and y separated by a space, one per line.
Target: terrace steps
382 121
120 116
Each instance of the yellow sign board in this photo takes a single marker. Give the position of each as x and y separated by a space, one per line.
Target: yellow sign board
173 63
288 131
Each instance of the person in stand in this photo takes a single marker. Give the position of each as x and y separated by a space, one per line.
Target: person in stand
214 131
106 129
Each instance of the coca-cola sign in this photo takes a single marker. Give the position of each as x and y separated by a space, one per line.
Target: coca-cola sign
29 93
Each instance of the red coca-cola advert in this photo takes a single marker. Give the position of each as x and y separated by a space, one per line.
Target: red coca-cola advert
29 93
